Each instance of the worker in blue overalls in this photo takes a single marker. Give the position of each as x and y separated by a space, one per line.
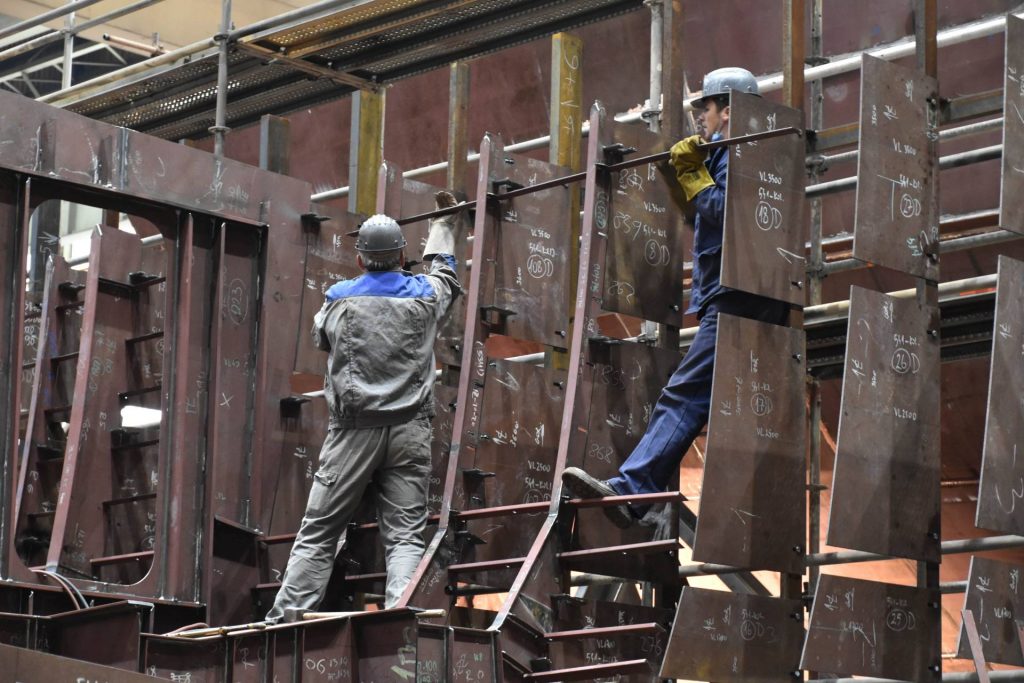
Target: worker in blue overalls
683 407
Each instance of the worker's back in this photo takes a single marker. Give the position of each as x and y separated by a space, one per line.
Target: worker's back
379 331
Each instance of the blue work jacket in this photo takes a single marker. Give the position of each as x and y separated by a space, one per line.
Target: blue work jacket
707 239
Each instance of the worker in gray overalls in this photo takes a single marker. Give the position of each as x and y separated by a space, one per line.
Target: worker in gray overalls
378 330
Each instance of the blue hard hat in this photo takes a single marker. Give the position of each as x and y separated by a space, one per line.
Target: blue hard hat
724 81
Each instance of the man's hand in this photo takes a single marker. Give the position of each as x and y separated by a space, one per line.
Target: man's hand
688 160
441 236
444 199
687 156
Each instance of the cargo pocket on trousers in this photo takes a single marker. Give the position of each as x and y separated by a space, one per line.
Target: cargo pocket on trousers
320 493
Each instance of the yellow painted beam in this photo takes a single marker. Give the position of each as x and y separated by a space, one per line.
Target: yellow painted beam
367 150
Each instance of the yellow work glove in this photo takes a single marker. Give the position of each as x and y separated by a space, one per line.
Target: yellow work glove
691 173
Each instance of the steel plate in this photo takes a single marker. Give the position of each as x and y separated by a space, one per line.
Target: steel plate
995 595
885 495
637 211
896 219
765 222
1002 476
522 409
724 636
532 277
752 498
1011 209
870 629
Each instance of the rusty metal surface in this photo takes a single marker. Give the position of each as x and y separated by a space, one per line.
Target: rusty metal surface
886 482
752 509
85 526
621 384
198 660
522 408
896 220
69 634
189 286
868 628
473 656
765 226
532 270
723 636
995 597
1002 478
1011 210
28 666
52 387
232 370
329 258
95 155
638 213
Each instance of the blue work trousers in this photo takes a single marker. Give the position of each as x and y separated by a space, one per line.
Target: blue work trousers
683 407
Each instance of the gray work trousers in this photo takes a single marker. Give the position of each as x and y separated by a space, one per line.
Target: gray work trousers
396 460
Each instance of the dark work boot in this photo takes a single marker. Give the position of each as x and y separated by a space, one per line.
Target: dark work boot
583 485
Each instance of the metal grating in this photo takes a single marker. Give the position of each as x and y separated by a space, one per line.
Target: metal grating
380 41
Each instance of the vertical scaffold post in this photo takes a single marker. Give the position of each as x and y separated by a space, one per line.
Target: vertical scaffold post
220 127
69 49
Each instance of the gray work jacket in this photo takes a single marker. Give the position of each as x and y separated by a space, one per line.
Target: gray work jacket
379 331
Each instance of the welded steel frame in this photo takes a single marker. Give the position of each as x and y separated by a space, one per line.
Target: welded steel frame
80 160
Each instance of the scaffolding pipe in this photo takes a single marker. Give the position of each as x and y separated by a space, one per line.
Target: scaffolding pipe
956 244
652 112
69 51
968 545
220 128
55 36
973 156
904 47
56 13
837 309
947 134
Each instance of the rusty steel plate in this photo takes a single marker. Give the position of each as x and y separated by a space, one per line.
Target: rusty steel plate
896 216
624 383
752 498
330 258
518 440
725 636
885 495
869 628
386 645
233 368
532 279
765 226
431 650
28 666
1011 209
1002 472
637 210
995 595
